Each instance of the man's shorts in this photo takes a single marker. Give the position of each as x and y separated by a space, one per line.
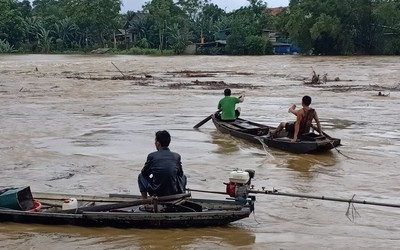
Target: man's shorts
289 127
218 116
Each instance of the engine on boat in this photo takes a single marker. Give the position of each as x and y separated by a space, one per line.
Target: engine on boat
239 183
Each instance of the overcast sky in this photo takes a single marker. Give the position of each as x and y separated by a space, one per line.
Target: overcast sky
227 5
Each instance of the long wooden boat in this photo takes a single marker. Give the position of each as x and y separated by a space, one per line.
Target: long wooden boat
125 211
259 133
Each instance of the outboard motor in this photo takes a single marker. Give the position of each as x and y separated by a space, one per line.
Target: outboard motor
239 183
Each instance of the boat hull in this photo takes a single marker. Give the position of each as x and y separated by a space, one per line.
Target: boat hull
214 213
259 133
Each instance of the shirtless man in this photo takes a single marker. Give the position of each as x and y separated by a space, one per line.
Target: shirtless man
304 117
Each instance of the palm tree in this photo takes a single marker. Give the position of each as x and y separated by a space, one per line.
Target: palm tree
140 27
67 31
178 38
45 40
33 25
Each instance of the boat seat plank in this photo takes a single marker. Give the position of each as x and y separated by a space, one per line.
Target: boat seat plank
232 126
246 125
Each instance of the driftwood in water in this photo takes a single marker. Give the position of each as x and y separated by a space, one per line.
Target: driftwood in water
100 50
316 79
383 94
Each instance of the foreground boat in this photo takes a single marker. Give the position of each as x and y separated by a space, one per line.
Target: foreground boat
259 133
122 211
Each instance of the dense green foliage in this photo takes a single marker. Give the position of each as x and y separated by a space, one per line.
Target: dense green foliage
5 47
343 26
336 27
59 25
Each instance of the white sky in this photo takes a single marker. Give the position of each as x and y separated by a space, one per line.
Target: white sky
227 5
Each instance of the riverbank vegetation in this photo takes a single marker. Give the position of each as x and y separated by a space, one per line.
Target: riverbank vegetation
164 27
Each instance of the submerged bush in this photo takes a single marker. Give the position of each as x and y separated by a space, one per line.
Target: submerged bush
143 51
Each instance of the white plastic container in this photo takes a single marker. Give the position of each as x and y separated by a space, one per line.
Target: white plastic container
71 203
239 176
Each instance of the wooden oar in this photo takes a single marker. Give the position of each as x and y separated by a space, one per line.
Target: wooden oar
107 207
331 138
323 133
198 125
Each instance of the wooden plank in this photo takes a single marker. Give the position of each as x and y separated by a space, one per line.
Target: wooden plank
231 125
107 207
247 125
62 197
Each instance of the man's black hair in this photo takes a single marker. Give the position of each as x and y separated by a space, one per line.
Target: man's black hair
306 100
163 137
227 92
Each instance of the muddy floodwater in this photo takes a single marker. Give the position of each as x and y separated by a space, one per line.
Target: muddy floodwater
77 124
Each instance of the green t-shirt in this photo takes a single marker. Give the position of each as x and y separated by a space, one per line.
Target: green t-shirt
227 106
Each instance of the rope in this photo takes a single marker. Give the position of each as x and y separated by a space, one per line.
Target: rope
352 208
265 147
254 216
348 157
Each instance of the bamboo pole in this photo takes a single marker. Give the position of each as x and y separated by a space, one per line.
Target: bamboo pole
323 198
275 192
118 69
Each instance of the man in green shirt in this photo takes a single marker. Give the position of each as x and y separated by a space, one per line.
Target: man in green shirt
227 106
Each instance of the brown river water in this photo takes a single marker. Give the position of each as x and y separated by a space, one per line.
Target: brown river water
74 124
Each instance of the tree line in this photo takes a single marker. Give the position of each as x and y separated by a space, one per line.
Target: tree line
331 27
343 27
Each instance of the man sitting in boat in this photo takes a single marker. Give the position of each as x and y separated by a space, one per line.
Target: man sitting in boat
304 118
162 173
226 106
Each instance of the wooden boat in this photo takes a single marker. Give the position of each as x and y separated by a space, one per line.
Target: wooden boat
124 211
259 133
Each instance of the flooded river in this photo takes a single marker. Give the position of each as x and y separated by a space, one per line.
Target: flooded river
76 124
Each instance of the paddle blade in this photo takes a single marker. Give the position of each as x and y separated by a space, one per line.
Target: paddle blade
198 125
